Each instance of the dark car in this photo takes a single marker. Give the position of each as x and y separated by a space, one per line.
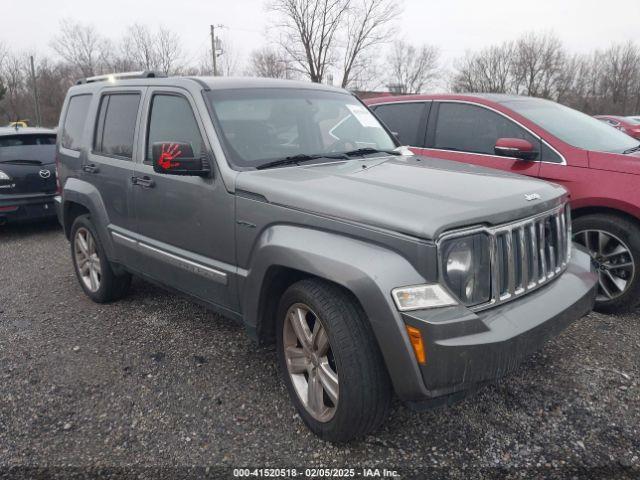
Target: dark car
599 165
27 173
289 207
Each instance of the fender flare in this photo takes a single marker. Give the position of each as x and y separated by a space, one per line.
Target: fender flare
369 271
83 193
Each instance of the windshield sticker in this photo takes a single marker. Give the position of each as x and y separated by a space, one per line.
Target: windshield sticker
363 116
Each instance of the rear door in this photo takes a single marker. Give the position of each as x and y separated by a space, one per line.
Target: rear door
468 133
109 163
184 224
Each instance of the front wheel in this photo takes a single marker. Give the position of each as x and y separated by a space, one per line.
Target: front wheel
614 245
330 361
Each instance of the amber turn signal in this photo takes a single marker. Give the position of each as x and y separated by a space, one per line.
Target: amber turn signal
418 345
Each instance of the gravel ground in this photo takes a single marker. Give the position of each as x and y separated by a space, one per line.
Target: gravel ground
157 381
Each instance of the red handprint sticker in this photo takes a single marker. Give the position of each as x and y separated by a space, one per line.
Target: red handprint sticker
169 152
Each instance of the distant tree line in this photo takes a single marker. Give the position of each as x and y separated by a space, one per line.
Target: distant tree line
605 81
349 43
82 52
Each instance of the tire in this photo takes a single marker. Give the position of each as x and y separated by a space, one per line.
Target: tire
364 389
617 233
102 284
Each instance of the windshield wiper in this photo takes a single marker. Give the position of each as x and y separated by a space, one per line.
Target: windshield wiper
296 159
631 150
368 150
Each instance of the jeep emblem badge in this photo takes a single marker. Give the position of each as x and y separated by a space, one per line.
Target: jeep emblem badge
532 196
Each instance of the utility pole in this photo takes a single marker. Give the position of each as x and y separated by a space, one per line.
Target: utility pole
35 92
214 48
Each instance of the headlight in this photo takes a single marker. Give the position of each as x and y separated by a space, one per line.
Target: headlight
466 268
419 297
4 176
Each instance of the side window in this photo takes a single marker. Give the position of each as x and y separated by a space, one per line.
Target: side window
117 124
403 119
547 154
74 121
469 128
172 120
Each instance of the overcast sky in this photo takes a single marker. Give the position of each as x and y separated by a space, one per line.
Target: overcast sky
453 25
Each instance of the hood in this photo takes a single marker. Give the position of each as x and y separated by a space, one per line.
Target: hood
615 162
414 195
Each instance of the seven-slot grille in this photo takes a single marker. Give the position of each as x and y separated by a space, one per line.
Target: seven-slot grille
528 254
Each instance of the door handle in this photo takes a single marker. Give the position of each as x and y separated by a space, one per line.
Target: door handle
90 168
144 182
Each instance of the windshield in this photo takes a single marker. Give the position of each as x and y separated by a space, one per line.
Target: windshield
573 127
633 120
266 124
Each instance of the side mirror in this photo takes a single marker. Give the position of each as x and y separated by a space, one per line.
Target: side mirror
515 148
176 158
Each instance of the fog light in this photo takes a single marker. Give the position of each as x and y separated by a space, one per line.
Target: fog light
421 296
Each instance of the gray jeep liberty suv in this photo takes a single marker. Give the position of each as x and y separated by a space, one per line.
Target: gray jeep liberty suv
288 207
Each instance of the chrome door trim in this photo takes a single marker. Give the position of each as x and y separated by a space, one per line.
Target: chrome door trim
172 259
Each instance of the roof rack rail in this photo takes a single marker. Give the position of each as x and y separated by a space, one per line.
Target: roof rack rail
111 77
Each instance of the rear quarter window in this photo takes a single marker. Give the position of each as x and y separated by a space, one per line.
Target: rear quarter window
75 121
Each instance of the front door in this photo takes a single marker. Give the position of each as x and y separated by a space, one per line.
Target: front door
468 133
184 224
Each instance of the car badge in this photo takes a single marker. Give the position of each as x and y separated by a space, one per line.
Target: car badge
44 173
532 196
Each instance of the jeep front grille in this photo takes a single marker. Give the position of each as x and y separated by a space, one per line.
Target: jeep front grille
523 255
527 254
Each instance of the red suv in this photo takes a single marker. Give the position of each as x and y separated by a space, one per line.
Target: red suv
599 165
628 125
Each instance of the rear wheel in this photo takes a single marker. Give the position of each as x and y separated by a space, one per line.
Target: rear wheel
330 361
614 245
93 269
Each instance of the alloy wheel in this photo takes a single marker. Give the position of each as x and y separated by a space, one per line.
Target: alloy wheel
87 259
310 362
612 260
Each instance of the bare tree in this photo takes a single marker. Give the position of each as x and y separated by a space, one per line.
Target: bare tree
228 62
538 64
367 25
621 65
139 46
267 62
486 71
15 85
3 54
82 47
309 29
169 51
144 49
413 68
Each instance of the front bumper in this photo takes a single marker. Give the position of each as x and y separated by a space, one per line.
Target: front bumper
465 349
26 207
